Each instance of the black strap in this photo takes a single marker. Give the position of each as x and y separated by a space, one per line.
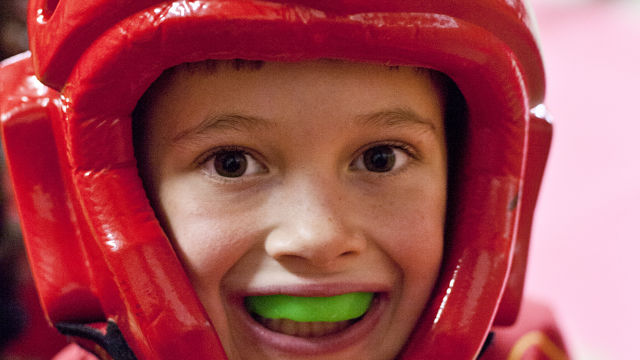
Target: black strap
486 344
111 341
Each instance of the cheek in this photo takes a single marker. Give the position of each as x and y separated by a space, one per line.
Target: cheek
411 229
208 235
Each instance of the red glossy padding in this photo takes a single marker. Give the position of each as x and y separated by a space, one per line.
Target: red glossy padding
538 145
56 45
140 258
49 220
60 30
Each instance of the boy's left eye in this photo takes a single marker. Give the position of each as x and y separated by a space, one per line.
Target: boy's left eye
381 158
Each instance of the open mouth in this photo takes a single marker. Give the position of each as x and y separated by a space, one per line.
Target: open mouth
309 317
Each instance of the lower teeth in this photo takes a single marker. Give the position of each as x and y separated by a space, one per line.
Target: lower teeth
303 329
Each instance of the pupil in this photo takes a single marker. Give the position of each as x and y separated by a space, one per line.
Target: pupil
379 159
231 164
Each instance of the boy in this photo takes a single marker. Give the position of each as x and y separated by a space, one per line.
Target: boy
305 199
321 178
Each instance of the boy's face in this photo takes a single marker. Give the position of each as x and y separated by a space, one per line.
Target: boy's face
310 179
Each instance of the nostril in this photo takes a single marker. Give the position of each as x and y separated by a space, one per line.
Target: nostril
310 241
349 253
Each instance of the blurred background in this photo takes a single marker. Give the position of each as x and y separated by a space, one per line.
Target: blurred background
584 259
13 30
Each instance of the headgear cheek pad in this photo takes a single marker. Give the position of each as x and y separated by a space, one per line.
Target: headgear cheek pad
97 251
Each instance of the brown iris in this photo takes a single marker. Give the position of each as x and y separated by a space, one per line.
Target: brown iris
379 158
230 163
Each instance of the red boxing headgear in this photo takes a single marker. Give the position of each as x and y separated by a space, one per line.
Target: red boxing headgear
96 250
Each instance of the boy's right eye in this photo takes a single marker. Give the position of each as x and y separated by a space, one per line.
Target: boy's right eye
231 164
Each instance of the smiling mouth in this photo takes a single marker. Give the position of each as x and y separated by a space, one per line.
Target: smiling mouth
308 317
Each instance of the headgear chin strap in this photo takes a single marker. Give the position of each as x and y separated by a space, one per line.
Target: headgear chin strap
96 248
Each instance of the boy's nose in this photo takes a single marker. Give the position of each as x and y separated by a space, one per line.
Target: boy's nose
314 228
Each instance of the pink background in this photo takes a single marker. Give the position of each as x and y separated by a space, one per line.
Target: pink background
584 258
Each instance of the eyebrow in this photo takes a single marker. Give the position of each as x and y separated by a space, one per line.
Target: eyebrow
235 122
396 117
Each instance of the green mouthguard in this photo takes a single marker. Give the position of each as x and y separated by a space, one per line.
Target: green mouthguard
306 309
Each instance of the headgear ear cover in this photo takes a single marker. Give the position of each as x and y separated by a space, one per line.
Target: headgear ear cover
96 249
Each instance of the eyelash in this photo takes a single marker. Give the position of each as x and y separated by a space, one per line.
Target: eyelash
408 150
219 151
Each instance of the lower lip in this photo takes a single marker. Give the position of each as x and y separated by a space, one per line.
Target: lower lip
319 345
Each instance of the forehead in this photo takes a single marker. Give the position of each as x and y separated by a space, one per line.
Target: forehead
194 92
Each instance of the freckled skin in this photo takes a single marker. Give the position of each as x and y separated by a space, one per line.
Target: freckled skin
307 211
